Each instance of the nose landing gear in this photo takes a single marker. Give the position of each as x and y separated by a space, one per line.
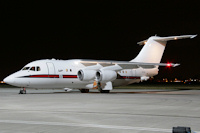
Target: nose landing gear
22 91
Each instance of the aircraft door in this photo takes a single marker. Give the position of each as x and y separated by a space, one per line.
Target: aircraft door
51 68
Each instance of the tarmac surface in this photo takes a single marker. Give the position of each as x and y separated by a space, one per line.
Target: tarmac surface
121 111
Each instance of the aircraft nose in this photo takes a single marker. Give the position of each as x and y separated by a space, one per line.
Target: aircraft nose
14 80
9 80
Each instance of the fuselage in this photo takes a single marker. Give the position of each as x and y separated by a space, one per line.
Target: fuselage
63 74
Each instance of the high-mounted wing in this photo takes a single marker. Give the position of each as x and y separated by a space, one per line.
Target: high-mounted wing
119 65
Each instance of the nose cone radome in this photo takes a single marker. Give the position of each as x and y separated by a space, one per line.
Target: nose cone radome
15 80
9 80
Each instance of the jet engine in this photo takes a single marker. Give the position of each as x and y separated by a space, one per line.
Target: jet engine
86 75
106 75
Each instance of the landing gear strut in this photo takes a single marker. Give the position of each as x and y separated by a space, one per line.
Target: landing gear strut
22 91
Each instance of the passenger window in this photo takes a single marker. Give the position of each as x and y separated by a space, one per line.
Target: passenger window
25 68
38 68
32 69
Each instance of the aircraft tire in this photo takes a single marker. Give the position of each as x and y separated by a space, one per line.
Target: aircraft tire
22 91
105 91
84 90
181 130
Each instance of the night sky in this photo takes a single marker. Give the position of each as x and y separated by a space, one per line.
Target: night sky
98 29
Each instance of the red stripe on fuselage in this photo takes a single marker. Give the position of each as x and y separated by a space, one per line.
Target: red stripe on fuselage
44 76
51 76
69 76
74 76
128 77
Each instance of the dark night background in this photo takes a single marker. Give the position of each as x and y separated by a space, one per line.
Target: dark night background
97 29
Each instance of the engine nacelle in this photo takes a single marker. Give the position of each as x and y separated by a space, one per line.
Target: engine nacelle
106 75
86 75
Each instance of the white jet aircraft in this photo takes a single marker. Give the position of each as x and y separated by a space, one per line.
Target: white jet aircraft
94 74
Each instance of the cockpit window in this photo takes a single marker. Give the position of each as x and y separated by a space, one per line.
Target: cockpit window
25 68
32 69
38 68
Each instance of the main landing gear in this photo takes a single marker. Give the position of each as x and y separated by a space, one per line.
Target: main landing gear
100 90
22 91
104 91
98 85
84 90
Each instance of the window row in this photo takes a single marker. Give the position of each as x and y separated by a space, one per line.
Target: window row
34 68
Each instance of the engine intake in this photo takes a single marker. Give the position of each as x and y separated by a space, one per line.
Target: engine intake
106 75
86 75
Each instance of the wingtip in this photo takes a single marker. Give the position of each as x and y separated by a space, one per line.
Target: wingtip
193 36
175 65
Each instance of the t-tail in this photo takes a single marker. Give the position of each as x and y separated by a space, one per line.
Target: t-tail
154 47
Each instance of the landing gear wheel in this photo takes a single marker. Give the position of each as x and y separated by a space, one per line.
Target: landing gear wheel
84 90
105 91
22 91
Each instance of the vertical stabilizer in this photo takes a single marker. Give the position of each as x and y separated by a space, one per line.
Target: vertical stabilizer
154 47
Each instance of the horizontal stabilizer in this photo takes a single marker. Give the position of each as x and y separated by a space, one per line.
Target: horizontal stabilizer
142 42
165 39
174 37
